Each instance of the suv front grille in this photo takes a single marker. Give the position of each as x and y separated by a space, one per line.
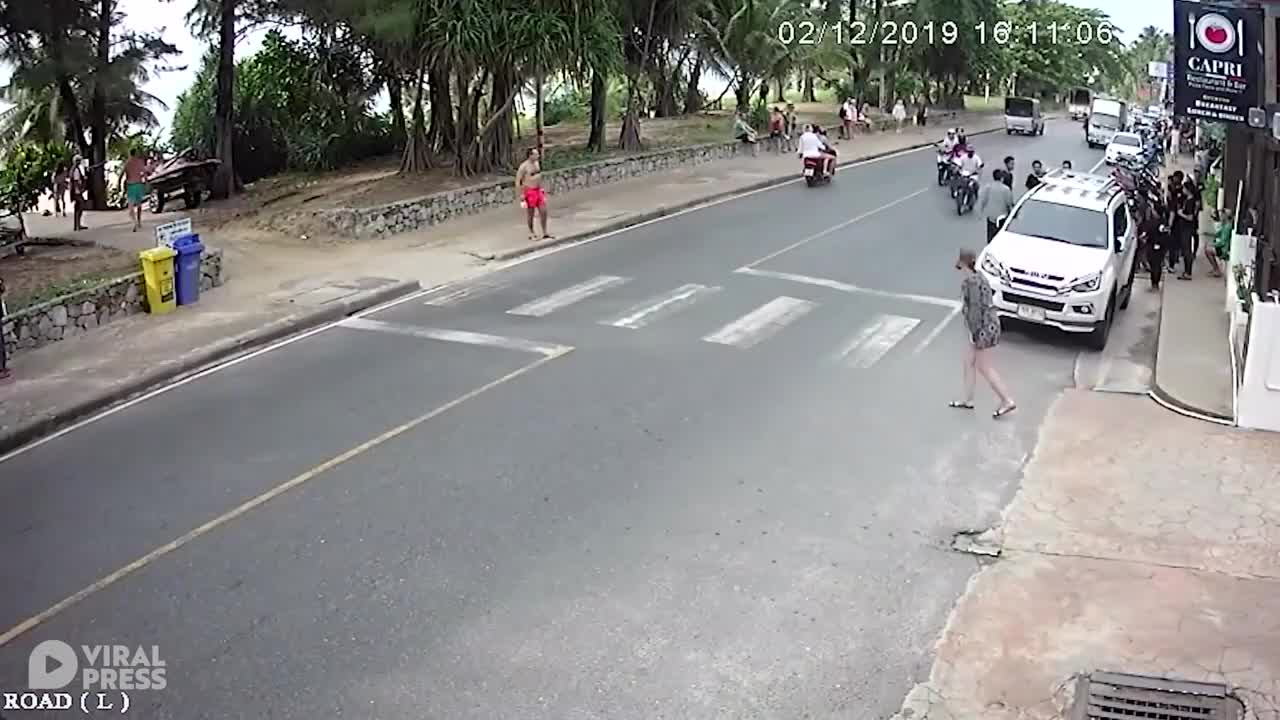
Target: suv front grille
1020 299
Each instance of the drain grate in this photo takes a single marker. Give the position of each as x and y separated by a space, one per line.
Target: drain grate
1115 696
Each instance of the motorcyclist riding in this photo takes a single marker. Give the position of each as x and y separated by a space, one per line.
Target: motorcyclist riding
950 142
813 145
968 166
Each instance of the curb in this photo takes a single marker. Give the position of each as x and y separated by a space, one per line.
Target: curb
1167 400
201 359
665 210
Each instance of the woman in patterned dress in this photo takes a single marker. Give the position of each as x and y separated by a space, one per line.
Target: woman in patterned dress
983 324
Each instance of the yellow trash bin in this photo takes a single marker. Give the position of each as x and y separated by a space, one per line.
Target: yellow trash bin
157 273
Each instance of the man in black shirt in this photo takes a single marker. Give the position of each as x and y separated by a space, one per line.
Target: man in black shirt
1173 201
1008 172
1155 239
1187 227
1037 172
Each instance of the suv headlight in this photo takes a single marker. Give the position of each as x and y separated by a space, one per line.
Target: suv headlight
992 266
1088 284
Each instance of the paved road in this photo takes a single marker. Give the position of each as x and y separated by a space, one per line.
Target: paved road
703 468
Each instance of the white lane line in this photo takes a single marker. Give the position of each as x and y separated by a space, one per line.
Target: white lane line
834 228
215 368
458 294
568 296
876 339
662 306
458 336
1097 165
934 333
761 322
847 287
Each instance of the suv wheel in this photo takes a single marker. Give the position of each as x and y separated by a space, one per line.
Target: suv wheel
1127 294
1098 338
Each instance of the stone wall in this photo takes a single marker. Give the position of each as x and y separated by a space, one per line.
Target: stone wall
408 215
70 315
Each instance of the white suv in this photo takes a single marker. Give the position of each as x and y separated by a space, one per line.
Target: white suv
1065 257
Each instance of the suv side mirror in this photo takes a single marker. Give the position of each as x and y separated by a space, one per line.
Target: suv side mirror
1000 220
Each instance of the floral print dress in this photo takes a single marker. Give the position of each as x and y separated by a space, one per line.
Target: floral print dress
979 311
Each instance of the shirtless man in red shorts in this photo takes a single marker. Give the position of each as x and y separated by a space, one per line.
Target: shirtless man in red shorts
530 193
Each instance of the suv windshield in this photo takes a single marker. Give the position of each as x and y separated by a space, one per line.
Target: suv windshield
1061 223
1130 140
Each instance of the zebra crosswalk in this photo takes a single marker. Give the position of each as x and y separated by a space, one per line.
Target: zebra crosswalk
866 342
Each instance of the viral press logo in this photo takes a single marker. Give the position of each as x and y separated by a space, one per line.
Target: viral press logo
106 675
53 665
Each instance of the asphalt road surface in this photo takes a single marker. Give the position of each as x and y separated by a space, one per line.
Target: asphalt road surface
702 468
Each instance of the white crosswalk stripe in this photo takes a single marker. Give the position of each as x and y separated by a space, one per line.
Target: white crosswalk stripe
662 306
876 339
448 297
548 304
762 322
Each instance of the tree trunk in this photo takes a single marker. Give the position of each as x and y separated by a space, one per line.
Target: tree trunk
443 135
224 178
693 95
599 100
416 157
629 136
781 95
498 143
395 94
98 110
465 152
71 106
806 92
538 107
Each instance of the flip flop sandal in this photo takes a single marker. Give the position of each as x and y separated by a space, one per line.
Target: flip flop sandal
1004 411
960 405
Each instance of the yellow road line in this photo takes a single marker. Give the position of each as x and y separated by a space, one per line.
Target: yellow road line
244 508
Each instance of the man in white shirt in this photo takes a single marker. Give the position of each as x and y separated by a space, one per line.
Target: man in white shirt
812 146
970 163
950 141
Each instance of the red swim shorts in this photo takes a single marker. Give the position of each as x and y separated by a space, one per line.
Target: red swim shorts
534 198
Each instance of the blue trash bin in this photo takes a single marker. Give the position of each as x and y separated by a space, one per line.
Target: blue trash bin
187 268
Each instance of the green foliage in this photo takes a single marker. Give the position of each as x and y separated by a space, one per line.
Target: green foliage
28 173
298 107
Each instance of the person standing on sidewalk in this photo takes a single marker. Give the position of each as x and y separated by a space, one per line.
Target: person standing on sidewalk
995 201
530 193
1173 201
792 131
983 324
134 179
78 186
899 114
1009 164
4 350
1188 219
1155 238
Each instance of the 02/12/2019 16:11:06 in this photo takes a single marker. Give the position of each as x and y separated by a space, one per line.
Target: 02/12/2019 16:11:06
910 32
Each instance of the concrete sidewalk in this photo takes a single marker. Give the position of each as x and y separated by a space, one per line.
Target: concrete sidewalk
275 290
1145 544
1193 359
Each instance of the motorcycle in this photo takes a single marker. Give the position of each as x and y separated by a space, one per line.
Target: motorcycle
966 193
944 165
815 172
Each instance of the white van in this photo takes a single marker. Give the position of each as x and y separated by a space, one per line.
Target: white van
1106 118
1022 115
1066 256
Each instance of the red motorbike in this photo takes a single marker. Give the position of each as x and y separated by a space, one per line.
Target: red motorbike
815 171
